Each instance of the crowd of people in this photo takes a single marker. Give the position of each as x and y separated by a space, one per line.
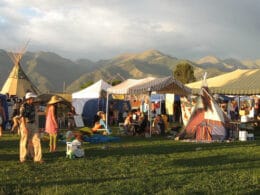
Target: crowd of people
137 123
23 119
248 107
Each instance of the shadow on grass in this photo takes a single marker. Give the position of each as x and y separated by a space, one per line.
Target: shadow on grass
10 144
216 160
9 188
166 147
9 157
140 146
9 151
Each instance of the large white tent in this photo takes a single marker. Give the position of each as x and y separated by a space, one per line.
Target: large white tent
238 82
123 88
161 85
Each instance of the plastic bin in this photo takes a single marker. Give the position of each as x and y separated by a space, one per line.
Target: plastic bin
242 135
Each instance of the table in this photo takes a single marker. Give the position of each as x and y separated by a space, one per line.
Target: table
247 126
236 124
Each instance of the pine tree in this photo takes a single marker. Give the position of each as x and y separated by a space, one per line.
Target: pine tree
184 72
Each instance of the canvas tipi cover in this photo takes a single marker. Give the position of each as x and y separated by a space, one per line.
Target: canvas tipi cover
17 83
207 121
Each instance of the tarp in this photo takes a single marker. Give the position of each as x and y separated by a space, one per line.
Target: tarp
157 97
169 103
161 85
238 82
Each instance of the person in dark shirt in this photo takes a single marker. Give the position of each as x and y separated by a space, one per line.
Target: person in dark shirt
2 117
29 131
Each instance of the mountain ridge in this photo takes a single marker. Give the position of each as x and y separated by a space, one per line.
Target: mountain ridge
52 72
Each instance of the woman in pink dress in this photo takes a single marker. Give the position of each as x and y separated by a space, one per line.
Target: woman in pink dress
51 125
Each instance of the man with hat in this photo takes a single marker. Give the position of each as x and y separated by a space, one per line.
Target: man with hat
30 142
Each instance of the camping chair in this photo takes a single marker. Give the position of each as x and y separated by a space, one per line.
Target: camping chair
80 124
121 128
105 129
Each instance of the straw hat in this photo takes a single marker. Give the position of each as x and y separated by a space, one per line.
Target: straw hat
30 95
55 99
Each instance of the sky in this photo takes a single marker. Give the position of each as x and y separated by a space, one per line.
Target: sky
103 29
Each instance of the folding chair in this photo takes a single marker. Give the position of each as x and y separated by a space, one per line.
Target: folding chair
78 121
121 128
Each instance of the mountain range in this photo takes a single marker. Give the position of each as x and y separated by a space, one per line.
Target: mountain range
51 72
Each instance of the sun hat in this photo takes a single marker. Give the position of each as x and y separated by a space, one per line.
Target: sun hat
29 95
55 99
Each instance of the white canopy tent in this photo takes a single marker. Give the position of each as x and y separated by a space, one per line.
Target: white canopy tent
93 91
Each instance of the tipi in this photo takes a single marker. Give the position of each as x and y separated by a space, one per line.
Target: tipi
207 121
17 82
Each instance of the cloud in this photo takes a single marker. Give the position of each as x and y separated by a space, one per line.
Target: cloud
98 29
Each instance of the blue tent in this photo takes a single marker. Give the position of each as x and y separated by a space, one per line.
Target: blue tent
89 101
90 109
5 106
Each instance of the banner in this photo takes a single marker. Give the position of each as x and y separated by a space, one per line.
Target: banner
186 109
169 103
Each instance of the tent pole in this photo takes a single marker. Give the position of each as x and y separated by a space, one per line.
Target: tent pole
107 110
149 111
160 105
239 103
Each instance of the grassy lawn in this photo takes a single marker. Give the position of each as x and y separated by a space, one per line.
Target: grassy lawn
135 165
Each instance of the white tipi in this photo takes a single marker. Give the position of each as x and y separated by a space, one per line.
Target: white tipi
17 82
207 121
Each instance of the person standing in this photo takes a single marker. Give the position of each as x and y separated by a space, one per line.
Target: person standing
15 116
71 120
30 142
51 125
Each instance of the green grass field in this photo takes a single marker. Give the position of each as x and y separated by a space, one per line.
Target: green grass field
135 165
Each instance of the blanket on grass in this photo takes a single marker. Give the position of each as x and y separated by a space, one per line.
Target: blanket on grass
97 138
